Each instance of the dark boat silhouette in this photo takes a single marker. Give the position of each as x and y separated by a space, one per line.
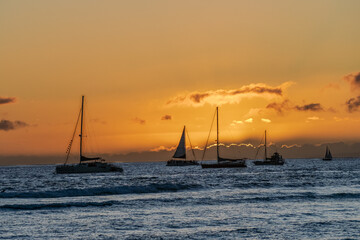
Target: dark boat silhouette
275 159
222 162
328 156
86 164
179 157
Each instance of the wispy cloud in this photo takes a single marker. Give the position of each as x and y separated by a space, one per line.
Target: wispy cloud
162 148
279 107
139 120
353 104
235 123
265 120
6 125
354 80
5 100
166 117
286 105
250 120
313 118
221 96
290 146
315 107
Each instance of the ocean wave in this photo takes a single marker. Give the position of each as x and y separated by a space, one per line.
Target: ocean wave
305 196
57 205
99 191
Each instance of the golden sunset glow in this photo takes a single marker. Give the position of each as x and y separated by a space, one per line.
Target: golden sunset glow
147 68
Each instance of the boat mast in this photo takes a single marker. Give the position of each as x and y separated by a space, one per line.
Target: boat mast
265 146
217 133
81 124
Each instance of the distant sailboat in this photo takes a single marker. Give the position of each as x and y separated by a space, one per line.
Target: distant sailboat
275 159
328 155
222 162
86 164
179 158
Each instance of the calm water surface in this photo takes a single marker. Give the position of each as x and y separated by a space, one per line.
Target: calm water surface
304 199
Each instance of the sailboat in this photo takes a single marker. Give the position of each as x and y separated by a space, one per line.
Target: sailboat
86 164
222 162
179 158
328 155
275 159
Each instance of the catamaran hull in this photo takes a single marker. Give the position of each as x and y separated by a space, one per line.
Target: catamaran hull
87 168
180 163
225 165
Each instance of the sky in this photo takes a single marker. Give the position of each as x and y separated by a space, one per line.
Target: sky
147 68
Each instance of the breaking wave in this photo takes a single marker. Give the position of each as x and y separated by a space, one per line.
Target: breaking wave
57 205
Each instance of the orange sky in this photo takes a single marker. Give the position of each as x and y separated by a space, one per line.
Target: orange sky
137 61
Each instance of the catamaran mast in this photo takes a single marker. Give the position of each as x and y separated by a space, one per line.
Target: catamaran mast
217 133
81 124
265 146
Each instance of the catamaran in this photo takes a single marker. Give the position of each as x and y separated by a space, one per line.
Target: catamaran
328 156
222 162
86 164
275 159
179 158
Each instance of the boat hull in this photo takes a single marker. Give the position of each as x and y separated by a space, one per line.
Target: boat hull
239 164
327 159
88 168
179 163
259 163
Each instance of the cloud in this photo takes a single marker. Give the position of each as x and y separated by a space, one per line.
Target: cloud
353 104
279 107
250 120
235 123
5 100
286 105
265 120
139 121
354 80
162 148
291 146
6 125
166 117
314 118
221 96
315 107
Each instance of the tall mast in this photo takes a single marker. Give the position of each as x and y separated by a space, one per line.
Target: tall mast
265 146
217 132
81 124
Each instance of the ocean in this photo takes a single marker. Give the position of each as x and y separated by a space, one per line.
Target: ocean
304 199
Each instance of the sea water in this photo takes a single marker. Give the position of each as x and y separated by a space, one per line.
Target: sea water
304 199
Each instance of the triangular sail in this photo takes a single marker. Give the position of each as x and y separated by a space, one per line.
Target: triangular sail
328 153
181 149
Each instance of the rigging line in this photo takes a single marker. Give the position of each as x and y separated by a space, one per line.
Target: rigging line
187 133
72 139
258 148
207 141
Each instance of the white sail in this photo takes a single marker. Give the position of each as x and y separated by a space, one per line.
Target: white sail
181 149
